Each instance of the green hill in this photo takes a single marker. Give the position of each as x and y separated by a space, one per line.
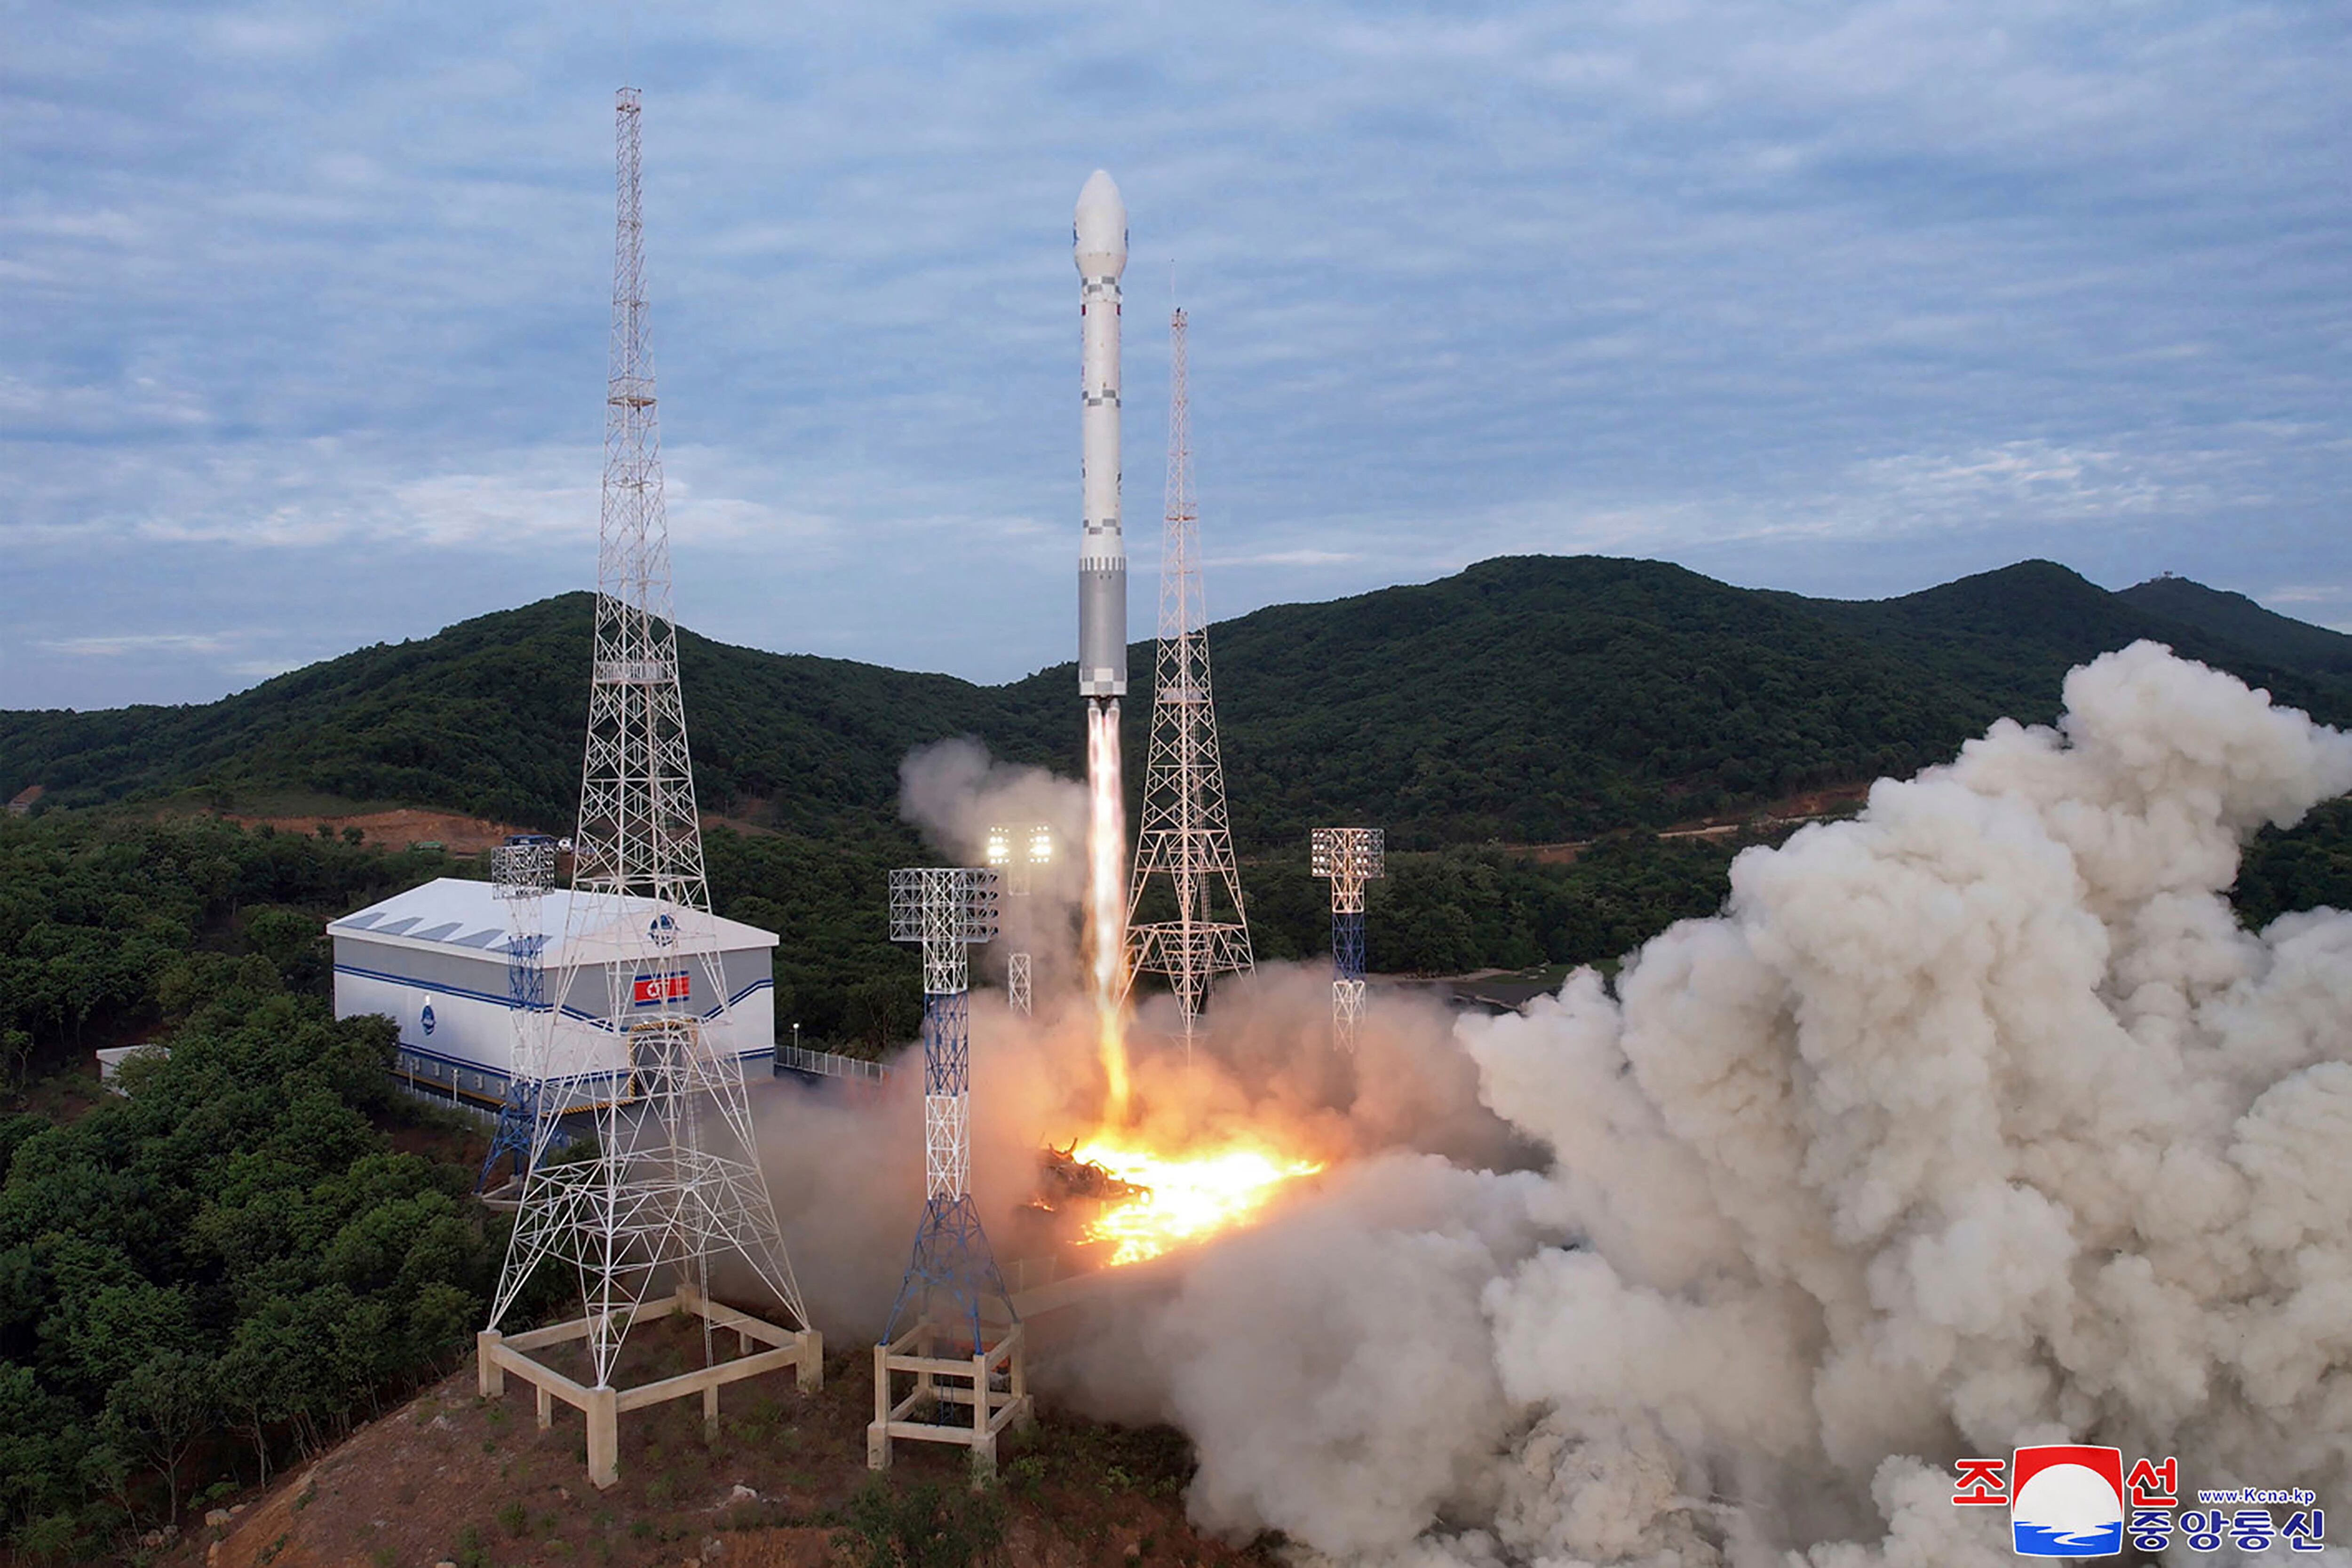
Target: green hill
1528 700
1532 700
2238 619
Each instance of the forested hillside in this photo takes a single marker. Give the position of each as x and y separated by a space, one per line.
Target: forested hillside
224 1271
1533 699
2232 616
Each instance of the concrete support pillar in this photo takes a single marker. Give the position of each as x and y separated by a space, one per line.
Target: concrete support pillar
743 1343
490 1377
710 1413
983 1441
877 1436
604 1414
546 1406
810 1368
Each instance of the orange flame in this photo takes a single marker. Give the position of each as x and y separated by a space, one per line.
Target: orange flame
1188 1197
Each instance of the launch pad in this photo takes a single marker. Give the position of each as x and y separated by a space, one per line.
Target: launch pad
496 1354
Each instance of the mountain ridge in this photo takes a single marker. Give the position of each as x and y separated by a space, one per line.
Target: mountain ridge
1524 699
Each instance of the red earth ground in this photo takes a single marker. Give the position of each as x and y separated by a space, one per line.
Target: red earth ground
451 1478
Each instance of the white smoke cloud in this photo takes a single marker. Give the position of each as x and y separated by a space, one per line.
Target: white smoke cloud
956 793
1974 1121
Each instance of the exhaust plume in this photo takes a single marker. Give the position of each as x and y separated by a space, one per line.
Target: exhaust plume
1972 1122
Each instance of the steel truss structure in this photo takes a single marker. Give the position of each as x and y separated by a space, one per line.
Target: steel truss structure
1348 857
1183 835
674 1185
1019 866
522 871
952 1274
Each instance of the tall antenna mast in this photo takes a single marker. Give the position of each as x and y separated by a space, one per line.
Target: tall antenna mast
639 1036
1184 836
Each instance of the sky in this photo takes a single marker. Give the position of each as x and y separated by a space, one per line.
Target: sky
303 309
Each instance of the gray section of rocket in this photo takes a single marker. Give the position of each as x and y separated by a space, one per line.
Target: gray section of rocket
1099 243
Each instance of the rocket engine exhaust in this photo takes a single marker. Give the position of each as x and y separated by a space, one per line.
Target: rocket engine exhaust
1106 901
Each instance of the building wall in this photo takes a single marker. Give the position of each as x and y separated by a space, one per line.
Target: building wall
457 1027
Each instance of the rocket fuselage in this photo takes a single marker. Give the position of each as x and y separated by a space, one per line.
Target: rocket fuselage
1099 240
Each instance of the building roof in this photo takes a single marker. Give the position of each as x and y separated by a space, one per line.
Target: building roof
453 913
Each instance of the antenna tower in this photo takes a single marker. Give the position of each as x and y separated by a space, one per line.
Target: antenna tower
1350 857
521 870
1185 835
639 1036
947 910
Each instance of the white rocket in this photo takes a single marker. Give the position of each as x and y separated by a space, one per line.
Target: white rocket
1100 238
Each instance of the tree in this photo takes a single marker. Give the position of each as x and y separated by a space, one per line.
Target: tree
158 1412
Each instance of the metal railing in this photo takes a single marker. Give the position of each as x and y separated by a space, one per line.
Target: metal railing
828 1064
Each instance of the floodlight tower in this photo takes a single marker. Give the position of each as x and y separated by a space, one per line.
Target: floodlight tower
947 910
660 1200
1349 857
1019 866
1184 834
521 870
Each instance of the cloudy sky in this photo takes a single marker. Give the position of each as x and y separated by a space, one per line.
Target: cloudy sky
304 308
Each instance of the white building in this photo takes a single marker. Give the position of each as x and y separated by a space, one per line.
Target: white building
434 960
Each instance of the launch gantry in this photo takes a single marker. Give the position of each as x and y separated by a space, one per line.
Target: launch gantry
1183 835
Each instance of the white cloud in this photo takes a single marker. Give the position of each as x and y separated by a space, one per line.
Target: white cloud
118 645
1637 280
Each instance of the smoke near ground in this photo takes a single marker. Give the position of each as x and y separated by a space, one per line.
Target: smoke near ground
1973 1122
846 1163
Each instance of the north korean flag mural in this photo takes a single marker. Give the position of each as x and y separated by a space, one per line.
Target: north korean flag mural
654 989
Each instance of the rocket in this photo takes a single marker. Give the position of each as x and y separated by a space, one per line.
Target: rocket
1098 237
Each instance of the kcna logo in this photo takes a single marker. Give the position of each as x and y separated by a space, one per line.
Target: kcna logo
2070 1499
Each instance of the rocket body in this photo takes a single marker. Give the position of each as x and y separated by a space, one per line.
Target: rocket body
1099 240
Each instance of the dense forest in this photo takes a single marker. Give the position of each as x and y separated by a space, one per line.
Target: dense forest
1526 700
228 1269
1520 702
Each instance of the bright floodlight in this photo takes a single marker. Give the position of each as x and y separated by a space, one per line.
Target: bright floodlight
1041 846
1000 846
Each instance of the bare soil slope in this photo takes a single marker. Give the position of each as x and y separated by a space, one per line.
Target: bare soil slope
453 1479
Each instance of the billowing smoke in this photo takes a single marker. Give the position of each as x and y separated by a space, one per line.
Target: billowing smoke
1972 1122
845 1164
1266 1065
957 794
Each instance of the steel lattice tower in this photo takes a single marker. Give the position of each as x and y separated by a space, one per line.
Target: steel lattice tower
947 910
1350 857
1184 834
521 871
663 1199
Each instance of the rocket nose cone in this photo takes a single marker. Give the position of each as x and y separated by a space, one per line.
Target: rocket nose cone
1100 229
